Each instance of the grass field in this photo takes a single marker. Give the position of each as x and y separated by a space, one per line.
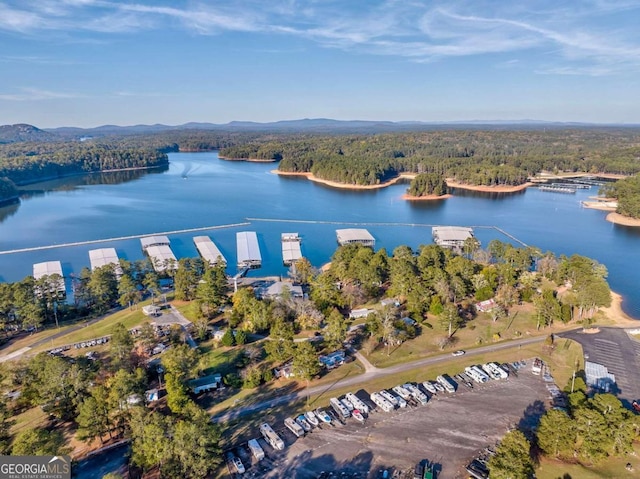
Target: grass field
614 468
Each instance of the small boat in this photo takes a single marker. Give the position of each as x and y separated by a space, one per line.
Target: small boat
323 416
429 387
302 421
311 418
358 415
439 387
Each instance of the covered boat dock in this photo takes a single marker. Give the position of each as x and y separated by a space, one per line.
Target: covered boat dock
248 250
208 250
104 256
50 268
291 251
355 235
159 252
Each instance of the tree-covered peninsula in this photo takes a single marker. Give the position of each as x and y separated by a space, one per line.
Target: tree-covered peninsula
627 192
476 157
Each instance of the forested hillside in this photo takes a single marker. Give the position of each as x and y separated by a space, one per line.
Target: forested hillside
490 157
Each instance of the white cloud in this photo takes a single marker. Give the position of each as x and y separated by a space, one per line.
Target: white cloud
567 36
35 94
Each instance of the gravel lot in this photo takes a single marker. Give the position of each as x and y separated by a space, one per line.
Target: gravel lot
449 431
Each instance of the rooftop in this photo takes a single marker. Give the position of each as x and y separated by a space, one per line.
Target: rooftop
354 235
154 241
208 249
451 233
47 269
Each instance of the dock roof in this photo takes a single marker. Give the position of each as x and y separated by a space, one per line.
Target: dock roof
160 255
208 250
154 241
355 235
47 269
102 257
247 246
451 233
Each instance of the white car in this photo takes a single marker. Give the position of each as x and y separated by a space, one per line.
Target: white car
460 352
238 465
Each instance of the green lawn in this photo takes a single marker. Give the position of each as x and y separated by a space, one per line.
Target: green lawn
613 468
33 418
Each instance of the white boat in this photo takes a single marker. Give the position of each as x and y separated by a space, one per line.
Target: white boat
323 416
303 422
357 415
238 465
439 387
429 387
311 418
294 427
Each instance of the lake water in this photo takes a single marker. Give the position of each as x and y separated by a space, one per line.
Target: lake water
200 190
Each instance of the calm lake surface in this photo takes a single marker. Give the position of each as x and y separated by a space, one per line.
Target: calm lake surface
200 190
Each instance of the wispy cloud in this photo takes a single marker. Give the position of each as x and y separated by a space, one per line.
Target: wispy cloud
574 38
35 94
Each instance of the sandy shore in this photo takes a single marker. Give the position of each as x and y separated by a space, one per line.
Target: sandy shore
600 205
345 186
426 197
488 189
619 219
616 314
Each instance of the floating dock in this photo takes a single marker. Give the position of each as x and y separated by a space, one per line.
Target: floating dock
558 189
290 248
578 186
248 250
159 252
451 236
355 235
47 269
208 250
104 256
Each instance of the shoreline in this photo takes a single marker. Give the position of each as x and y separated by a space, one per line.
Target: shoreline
426 197
600 205
618 219
616 314
489 189
248 160
344 186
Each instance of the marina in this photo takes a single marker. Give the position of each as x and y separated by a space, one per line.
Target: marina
159 251
248 251
557 189
291 251
209 251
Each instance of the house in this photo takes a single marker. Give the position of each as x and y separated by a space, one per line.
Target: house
275 290
484 306
390 302
332 360
206 383
151 310
284 371
360 313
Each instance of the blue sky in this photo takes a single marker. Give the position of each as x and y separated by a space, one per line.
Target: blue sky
93 62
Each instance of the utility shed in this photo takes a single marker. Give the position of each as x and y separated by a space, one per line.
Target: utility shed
104 256
47 269
248 250
355 235
208 250
451 236
291 251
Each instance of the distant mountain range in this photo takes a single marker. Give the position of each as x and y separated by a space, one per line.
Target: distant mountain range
24 132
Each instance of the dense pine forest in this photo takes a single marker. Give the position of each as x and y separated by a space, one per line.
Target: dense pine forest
627 192
489 157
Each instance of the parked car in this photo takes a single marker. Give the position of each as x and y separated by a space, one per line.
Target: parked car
459 352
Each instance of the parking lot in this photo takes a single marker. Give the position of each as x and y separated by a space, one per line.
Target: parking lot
449 431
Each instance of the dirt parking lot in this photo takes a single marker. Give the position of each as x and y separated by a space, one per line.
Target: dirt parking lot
449 431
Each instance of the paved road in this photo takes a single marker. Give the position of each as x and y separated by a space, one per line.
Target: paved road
367 376
613 348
